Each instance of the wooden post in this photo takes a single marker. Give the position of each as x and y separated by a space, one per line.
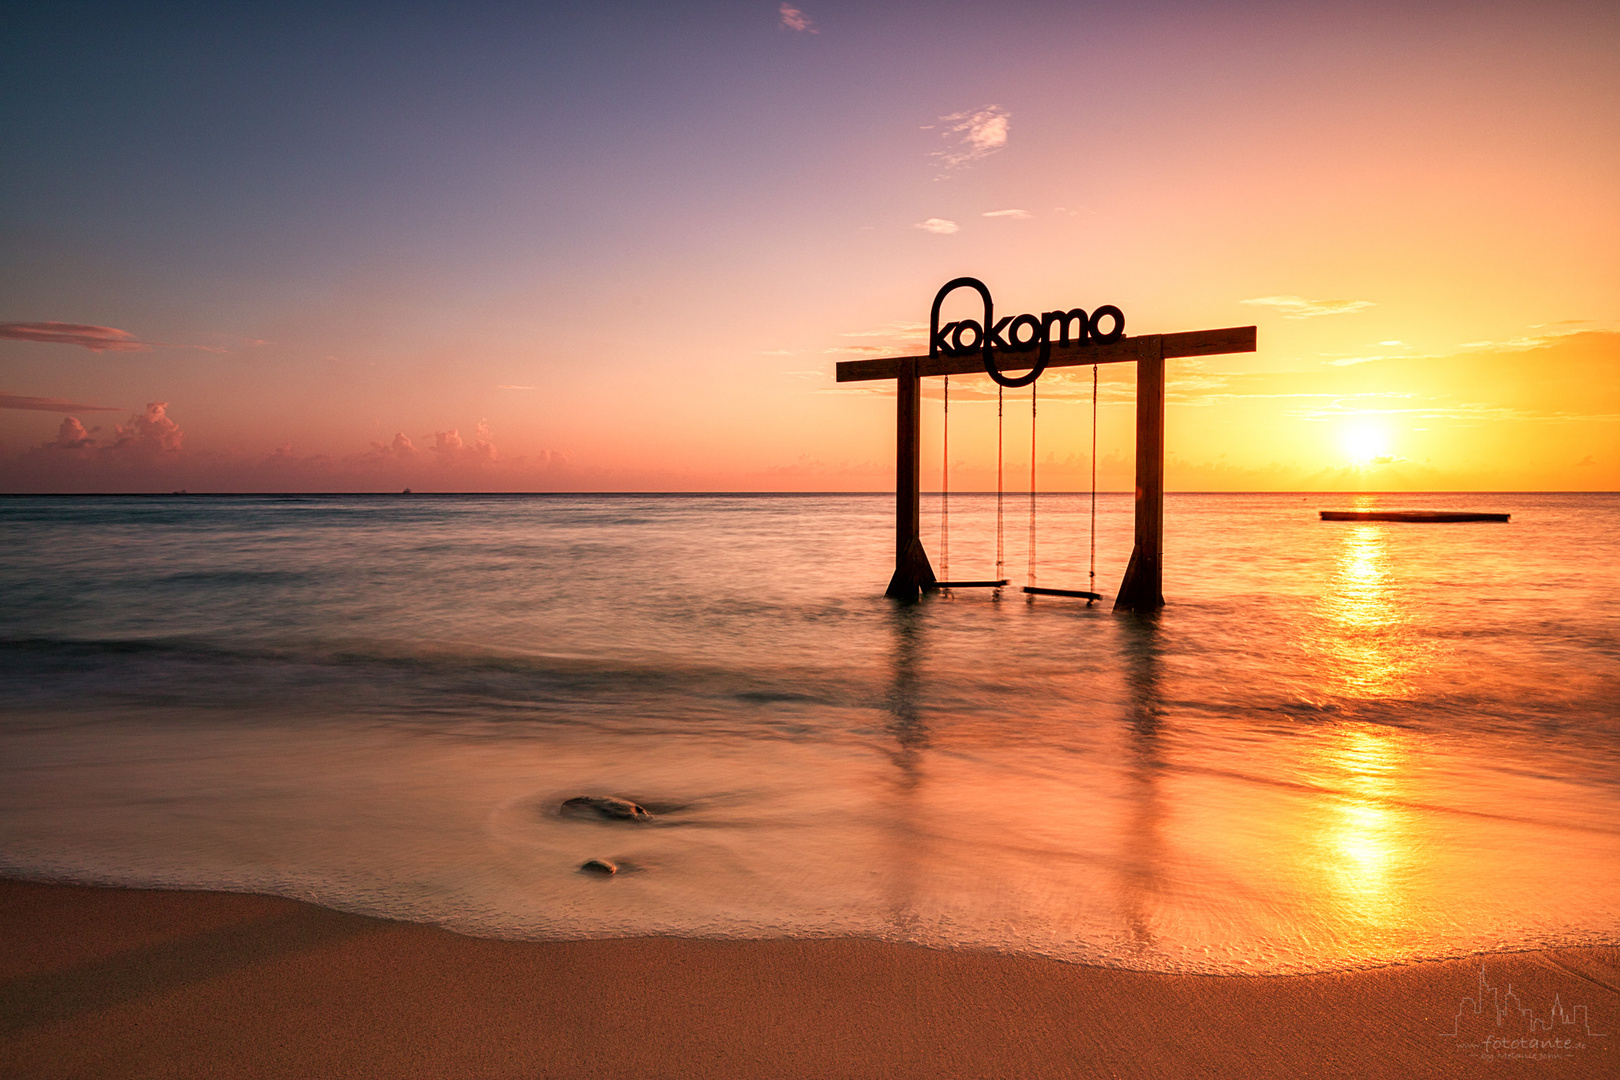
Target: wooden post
912 572
1143 587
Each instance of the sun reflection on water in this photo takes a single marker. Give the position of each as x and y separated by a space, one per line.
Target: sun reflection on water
1367 841
1365 642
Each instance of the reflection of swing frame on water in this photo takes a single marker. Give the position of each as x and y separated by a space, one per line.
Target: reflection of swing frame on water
995 344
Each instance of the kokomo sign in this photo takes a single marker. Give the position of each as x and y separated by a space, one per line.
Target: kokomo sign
1016 333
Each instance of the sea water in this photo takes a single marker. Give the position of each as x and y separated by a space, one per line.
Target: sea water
1339 744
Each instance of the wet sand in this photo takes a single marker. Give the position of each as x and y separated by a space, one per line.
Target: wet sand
118 982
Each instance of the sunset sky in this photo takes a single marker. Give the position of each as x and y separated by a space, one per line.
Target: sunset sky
620 246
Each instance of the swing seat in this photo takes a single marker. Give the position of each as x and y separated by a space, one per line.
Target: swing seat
1080 593
970 584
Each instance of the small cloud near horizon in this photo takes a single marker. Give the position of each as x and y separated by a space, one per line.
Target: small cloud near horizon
794 19
1298 307
153 431
514 386
1008 213
974 134
893 330
51 404
84 335
942 226
71 435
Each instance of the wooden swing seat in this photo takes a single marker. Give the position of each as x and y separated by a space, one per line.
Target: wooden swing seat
1081 593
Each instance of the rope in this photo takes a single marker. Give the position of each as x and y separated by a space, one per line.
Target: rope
1032 396
945 492
1000 491
1093 586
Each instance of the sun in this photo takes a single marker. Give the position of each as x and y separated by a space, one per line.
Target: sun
1365 443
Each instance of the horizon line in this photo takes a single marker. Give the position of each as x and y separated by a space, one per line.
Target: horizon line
183 493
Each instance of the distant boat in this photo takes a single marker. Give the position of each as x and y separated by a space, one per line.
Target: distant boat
1409 515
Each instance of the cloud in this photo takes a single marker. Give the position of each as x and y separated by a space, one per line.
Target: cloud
937 225
402 447
151 432
1297 307
1347 361
70 436
451 448
513 386
899 337
794 19
50 404
893 330
94 338
1008 213
973 135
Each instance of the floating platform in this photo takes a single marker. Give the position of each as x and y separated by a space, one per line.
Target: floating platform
1409 515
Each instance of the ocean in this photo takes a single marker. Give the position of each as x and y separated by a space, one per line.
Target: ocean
1339 745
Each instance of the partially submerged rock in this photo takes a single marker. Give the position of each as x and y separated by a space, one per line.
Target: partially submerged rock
606 807
599 866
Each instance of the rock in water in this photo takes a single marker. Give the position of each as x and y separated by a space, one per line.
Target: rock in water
598 866
605 806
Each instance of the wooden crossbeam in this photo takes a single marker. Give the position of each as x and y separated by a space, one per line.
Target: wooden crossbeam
1231 339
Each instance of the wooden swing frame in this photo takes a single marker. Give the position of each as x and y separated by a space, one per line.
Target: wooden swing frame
1143 586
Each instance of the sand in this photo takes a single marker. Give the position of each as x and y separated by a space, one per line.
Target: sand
119 982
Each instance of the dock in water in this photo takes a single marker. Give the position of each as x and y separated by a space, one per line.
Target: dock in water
1409 515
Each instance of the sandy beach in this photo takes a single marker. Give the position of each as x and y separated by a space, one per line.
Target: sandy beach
118 982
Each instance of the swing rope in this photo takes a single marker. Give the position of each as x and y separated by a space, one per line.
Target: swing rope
1032 396
1032 590
1000 488
1093 569
945 491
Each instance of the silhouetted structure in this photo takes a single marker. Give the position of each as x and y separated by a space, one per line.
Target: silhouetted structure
1142 587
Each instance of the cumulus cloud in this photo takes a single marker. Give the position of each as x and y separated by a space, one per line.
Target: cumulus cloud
794 19
972 135
401 447
50 404
451 448
94 338
1297 307
937 225
1008 213
70 436
151 432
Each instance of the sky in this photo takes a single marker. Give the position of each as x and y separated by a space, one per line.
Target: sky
620 246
